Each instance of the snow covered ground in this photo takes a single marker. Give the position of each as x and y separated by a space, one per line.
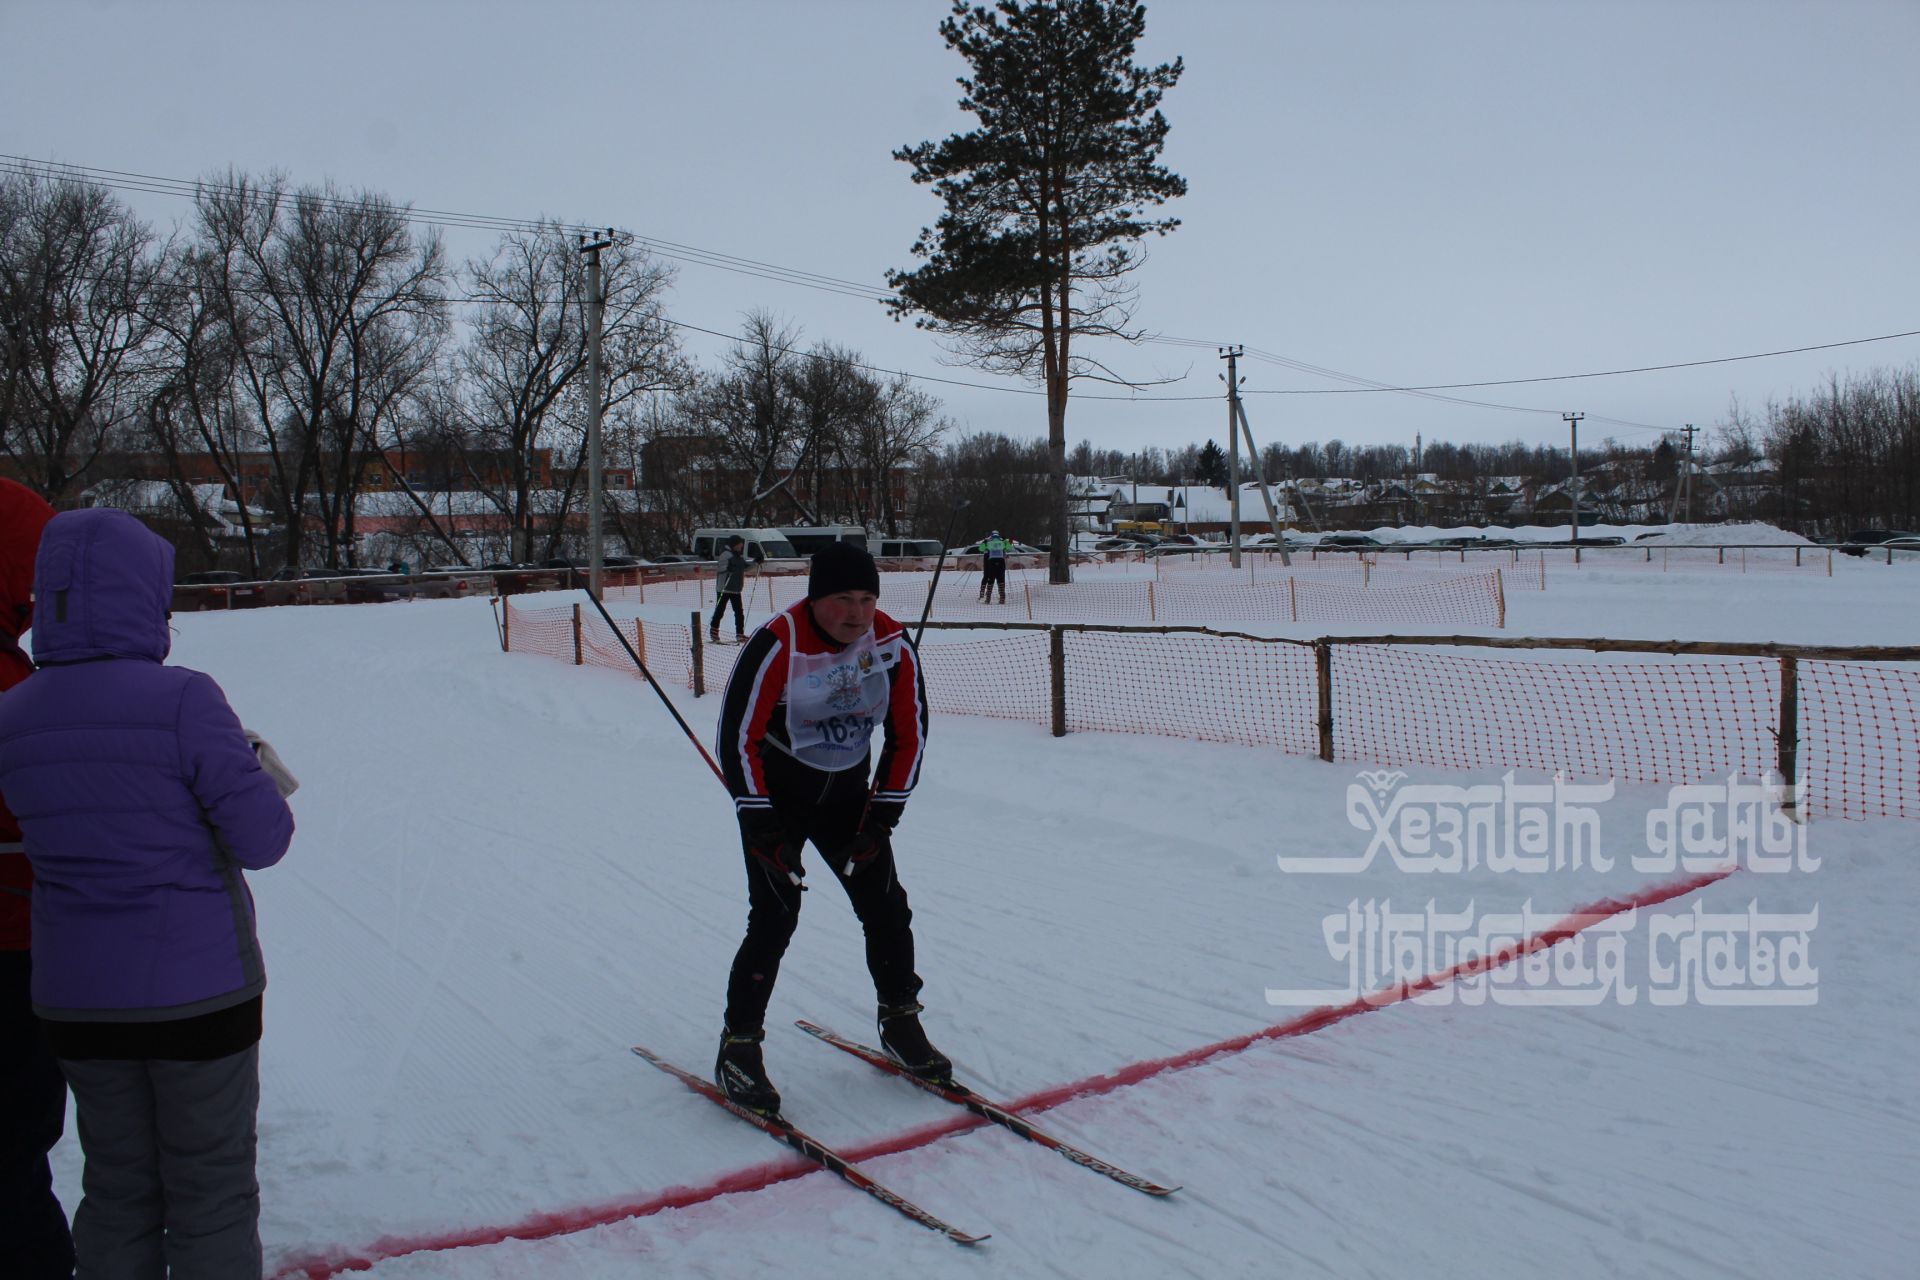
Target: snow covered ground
509 870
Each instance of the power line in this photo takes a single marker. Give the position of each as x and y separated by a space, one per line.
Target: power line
124 180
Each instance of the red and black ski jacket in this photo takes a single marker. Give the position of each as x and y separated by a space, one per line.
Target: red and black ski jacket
754 714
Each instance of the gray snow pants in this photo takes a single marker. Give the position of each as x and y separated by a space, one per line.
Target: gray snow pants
169 1186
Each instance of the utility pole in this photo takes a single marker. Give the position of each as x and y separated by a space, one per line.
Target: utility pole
1573 424
1687 502
1232 355
596 311
1266 492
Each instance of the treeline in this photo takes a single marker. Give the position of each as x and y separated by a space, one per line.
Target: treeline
305 346
1847 456
1464 464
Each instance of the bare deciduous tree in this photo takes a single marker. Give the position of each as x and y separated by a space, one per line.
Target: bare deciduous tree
335 309
76 271
522 370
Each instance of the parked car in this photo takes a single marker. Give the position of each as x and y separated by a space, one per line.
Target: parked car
1859 540
215 589
1349 542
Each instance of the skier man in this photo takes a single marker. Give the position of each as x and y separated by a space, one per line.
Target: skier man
730 576
810 688
993 567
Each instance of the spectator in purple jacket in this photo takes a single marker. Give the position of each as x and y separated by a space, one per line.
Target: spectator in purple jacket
140 800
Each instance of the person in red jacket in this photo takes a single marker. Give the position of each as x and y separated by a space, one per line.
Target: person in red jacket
33 1094
809 690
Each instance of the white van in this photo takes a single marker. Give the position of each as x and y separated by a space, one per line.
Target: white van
762 544
807 539
882 547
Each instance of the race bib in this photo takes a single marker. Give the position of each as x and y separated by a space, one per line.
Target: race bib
834 701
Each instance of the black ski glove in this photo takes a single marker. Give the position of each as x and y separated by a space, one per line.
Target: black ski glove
883 816
874 838
766 839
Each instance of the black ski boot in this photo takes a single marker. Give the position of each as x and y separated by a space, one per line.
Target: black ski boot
906 1043
742 1075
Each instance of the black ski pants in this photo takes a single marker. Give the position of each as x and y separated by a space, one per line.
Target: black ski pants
720 607
992 571
33 1228
825 809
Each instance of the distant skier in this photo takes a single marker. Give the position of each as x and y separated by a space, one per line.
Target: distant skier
993 566
730 578
810 688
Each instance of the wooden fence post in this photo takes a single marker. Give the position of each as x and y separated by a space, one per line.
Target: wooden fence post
1293 597
1152 608
1500 598
640 639
1026 587
576 635
506 625
1789 728
1323 667
699 656
1057 669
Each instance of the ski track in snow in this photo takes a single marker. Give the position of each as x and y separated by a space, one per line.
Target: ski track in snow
508 871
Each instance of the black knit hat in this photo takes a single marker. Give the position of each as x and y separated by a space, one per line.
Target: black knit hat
842 566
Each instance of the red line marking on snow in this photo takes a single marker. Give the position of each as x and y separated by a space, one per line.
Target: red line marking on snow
542 1226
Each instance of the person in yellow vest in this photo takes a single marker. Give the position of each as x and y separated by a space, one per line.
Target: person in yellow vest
993 566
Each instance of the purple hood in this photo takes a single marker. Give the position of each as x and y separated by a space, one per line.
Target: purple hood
104 584
139 798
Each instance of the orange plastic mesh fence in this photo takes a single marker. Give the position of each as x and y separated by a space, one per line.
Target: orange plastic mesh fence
544 631
1003 675
1216 599
1634 717
1213 688
1637 719
1120 593
1860 736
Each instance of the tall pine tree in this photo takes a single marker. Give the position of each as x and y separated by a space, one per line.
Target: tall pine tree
1044 200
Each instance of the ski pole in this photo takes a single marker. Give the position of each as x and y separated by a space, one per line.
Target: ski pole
673 710
951 521
918 632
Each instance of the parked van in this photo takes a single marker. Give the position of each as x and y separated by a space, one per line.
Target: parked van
882 547
807 539
762 544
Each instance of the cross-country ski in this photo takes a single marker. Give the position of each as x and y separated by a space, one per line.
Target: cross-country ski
961 1095
780 1130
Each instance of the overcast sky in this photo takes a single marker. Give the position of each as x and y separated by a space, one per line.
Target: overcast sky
1413 193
